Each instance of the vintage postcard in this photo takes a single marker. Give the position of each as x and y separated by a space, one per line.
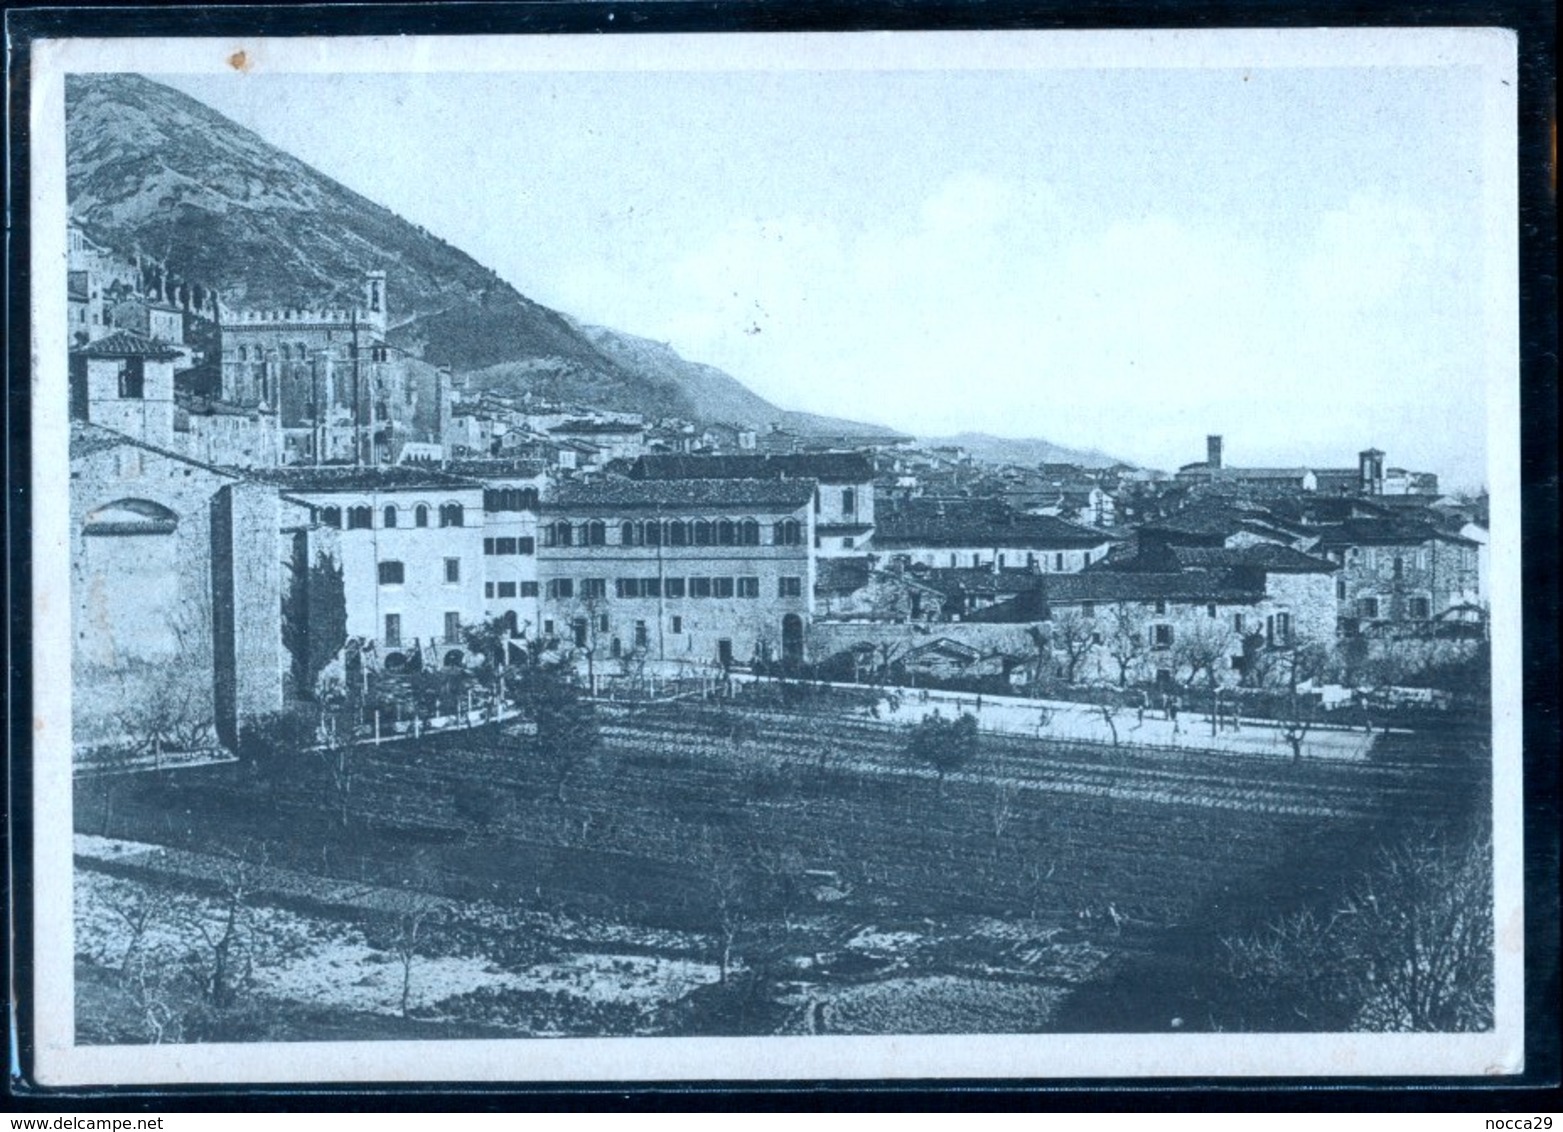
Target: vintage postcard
753 557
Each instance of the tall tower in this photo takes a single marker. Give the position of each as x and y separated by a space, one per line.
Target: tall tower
374 300
1213 452
1370 472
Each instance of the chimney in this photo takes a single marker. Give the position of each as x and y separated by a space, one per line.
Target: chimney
1213 451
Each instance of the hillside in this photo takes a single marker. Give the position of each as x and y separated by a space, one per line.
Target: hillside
1027 451
154 173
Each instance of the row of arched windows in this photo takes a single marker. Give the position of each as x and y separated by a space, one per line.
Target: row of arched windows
361 517
297 352
671 532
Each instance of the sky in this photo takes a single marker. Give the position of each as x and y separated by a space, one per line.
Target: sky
1122 259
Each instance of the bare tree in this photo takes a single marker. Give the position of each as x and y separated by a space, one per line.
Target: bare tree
1407 947
1304 661
1125 638
1201 648
1071 635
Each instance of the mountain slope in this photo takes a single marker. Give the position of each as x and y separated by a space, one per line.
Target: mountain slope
1007 450
721 396
156 174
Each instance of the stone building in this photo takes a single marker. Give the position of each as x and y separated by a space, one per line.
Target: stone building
125 381
410 544
177 581
704 570
512 493
984 534
844 512
1400 573
341 392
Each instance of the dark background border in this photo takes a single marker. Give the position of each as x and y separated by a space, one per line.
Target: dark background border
1535 23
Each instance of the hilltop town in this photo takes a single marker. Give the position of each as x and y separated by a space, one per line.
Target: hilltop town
228 464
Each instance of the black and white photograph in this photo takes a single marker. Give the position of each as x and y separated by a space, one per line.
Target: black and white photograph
971 554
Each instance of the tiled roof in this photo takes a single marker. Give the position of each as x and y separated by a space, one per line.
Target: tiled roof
497 468
90 439
974 523
1268 556
129 344
1025 607
325 478
977 581
1393 531
827 467
588 428
841 575
614 493
1112 585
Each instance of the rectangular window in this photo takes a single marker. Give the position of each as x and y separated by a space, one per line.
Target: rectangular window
392 573
789 587
641 637
594 588
1058 561
526 545
1340 589
1161 606
578 630
1400 567
1088 558
488 589
848 543
548 628
393 630
848 502
1001 562
675 587
452 626
452 571
678 624
1420 608
699 587
1088 609
488 546
721 587
507 589
561 587
1161 636
1210 610
748 587
1367 608
651 587
132 379
504 546
626 587
1237 622
602 623
1283 630
528 589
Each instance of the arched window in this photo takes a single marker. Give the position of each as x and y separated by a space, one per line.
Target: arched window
451 514
131 517
331 517
299 353
702 533
678 533
390 516
726 533
420 515
653 533
628 532
596 533
558 534
359 518
748 533
788 533
244 353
